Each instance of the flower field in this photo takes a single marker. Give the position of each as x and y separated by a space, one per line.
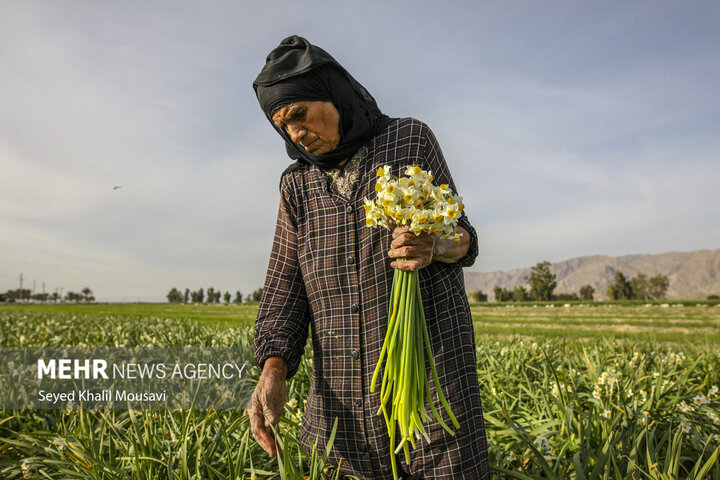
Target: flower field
617 392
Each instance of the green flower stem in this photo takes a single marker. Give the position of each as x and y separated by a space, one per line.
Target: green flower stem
405 378
441 396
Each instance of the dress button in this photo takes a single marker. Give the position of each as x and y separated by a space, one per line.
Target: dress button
348 209
357 402
351 260
354 308
355 354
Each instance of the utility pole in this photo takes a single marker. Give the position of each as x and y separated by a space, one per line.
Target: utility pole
21 281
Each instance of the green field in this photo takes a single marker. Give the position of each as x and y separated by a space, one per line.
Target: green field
665 322
603 391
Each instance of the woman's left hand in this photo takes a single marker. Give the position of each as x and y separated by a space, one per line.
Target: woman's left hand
418 249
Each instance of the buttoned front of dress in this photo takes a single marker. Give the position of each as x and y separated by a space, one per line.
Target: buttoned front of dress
330 272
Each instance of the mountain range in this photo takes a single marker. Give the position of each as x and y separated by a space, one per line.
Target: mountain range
693 274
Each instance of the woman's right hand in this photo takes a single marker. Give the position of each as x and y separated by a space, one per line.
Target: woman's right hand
267 402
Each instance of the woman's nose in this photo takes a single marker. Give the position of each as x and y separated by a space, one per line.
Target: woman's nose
296 133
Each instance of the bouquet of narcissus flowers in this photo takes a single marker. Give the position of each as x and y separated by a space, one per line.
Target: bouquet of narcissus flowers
414 201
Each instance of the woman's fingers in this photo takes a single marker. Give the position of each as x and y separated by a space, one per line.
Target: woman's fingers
261 429
417 249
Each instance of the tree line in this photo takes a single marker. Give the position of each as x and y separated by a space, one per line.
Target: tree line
22 295
541 284
211 296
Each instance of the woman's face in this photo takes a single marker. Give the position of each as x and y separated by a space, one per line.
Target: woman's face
314 125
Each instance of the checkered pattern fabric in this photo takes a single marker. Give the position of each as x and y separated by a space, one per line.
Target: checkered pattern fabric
329 273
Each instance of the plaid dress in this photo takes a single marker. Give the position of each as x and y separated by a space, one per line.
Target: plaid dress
329 273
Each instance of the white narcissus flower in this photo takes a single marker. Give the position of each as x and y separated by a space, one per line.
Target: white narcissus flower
384 173
443 189
387 200
450 213
410 195
368 205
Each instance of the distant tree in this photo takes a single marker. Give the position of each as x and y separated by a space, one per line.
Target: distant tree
194 296
520 294
17 294
41 297
227 297
55 297
567 297
640 286
542 282
174 296
587 292
478 296
713 297
658 286
200 296
87 295
502 294
210 295
238 297
73 297
186 296
257 295
620 289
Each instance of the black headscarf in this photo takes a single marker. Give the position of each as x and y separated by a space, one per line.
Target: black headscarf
298 71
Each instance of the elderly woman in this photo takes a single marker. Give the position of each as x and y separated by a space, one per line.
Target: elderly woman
330 274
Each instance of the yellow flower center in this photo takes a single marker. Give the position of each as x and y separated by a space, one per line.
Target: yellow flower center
417 169
391 188
452 213
380 172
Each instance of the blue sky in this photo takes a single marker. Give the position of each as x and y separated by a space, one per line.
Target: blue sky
571 128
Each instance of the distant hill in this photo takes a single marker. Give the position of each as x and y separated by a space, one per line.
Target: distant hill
692 274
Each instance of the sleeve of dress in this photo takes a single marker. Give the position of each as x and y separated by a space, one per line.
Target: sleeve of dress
435 161
281 327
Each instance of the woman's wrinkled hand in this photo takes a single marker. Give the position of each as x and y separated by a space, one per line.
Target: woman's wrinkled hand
418 249
266 406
